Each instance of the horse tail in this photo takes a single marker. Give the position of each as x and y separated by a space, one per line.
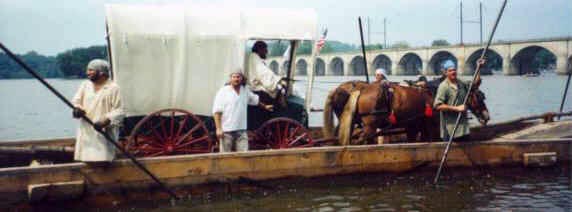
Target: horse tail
328 128
347 118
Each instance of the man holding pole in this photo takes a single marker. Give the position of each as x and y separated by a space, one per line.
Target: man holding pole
449 101
98 99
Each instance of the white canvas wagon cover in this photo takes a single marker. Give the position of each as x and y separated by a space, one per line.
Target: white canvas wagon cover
178 56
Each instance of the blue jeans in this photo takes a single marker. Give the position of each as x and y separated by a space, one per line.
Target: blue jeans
238 138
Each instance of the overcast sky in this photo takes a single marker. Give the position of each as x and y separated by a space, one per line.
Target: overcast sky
50 27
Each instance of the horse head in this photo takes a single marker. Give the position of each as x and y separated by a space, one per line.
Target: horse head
476 104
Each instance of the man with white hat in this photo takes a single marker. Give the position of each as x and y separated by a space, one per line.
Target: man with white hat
380 75
98 99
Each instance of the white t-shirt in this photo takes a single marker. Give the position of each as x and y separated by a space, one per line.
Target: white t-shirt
233 107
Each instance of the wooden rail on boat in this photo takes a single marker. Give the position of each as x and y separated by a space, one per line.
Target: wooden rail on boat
272 164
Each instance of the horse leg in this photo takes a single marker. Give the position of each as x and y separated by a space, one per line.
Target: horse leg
425 130
368 134
412 130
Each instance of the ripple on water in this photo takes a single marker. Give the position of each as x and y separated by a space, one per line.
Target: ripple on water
328 198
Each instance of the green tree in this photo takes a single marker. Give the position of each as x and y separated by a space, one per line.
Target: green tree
277 48
400 45
337 46
72 63
374 46
45 66
440 42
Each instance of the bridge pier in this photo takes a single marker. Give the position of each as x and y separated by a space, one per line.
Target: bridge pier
427 70
348 69
507 68
563 65
461 67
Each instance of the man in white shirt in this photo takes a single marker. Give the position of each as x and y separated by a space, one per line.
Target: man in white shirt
260 75
230 114
98 99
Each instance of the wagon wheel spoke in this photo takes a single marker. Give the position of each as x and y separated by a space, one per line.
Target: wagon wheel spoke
193 141
152 128
172 132
158 154
147 140
297 139
182 125
184 137
284 140
163 130
150 148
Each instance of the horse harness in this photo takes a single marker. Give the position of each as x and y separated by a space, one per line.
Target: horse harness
387 91
386 95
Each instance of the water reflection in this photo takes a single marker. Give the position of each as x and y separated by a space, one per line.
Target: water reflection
513 189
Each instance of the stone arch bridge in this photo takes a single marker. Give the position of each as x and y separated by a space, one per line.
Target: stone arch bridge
516 57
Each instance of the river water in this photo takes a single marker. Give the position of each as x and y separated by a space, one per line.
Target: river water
29 111
478 189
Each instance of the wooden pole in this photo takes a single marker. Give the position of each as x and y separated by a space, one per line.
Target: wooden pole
565 92
363 50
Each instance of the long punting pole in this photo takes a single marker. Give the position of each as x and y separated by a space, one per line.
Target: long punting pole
363 50
290 66
85 118
565 92
477 72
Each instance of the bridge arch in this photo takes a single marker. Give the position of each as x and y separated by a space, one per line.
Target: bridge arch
274 67
357 68
494 62
301 67
409 64
336 67
435 64
320 67
532 59
382 61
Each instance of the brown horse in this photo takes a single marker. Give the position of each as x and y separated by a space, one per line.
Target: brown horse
389 106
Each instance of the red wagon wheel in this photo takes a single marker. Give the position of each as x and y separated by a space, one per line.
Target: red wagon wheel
280 133
169 132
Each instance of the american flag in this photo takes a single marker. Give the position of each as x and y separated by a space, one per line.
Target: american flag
322 41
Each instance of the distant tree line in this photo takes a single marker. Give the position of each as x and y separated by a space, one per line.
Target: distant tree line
69 64
46 66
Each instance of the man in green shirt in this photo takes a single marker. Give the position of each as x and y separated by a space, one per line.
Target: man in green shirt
449 101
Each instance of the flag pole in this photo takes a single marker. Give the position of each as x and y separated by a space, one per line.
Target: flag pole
315 51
